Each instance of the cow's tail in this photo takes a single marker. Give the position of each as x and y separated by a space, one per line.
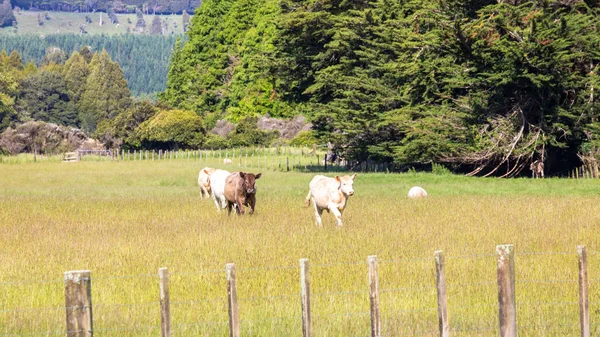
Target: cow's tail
307 200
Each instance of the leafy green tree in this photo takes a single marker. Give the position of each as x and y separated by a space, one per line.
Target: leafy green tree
44 97
76 72
8 90
247 133
172 129
106 93
123 130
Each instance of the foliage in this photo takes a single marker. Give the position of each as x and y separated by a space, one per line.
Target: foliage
143 58
44 97
122 130
6 14
41 137
172 129
106 93
124 6
247 133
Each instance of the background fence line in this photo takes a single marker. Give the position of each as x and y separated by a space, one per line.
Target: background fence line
78 306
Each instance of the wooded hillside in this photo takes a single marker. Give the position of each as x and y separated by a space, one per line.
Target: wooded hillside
482 86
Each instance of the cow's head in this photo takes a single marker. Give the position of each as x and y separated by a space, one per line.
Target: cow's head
346 183
250 181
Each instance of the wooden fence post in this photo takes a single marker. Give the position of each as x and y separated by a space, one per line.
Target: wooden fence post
78 302
165 304
440 280
305 294
506 290
374 296
584 306
234 321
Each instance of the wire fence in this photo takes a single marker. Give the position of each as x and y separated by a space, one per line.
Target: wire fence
270 301
282 158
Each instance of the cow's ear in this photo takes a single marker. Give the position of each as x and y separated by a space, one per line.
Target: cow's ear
205 171
258 176
242 174
354 176
338 179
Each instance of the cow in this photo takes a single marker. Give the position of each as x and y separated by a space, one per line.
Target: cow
240 191
537 169
417 192
217 187
227 161
204 182
330 194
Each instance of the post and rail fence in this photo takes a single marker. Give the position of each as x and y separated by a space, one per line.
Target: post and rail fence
79 307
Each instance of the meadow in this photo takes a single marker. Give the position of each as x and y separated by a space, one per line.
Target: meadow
123 220
68 22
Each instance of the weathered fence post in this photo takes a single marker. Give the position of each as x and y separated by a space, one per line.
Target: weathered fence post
506 291
287 164
305 294
234 321
374 296
440 281
78 302
584 306
325 162
165 304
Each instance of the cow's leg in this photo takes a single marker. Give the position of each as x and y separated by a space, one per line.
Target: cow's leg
240 206
229 207
318 214
337 213
251 201
204 191
217 202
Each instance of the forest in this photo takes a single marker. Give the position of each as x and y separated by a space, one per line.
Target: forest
124 6
484 87
144 59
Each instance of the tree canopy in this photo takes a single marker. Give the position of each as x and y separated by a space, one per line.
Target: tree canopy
485 87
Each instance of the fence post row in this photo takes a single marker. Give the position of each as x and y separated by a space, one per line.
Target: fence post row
165 303
584 307
78 297
374 296
78 302
440 281
234 321
305 295
506 291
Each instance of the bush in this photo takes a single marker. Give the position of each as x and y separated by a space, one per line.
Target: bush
305 138
173 129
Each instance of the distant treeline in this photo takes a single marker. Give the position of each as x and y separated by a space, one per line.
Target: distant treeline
126 6
143 58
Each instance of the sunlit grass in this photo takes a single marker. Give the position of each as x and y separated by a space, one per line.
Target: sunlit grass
124 220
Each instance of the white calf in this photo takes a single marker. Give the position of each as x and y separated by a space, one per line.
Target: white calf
204 182
330 194
217 186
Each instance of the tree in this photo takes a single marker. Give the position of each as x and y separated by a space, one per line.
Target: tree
173 129
76 72
8 89
44 97
106 93
156 26
6 14
123 130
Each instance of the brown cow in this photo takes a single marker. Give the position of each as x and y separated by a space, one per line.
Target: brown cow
240 190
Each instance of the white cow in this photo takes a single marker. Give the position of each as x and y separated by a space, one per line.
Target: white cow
217 187
227 161
417 192
330 194
204 182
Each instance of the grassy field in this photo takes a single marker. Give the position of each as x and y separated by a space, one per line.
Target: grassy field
67 22
124 220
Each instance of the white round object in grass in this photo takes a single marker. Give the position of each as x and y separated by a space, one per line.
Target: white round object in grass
417 192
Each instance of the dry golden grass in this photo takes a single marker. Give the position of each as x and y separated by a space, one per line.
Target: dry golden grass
124 220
